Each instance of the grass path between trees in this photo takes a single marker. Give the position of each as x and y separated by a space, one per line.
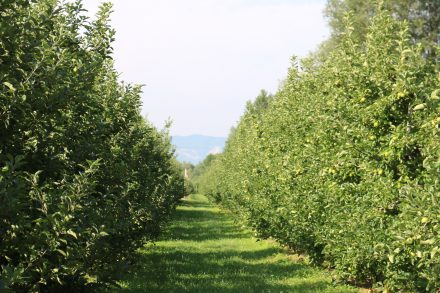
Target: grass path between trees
205 251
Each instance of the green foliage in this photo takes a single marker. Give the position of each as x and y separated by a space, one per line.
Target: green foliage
260 104
187 170
199 179
344 163
84 180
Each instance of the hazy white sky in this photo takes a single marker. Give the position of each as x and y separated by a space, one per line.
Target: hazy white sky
201 60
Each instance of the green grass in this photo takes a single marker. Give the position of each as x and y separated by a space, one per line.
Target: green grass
204 251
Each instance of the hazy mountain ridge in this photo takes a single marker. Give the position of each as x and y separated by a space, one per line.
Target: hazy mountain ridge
194 148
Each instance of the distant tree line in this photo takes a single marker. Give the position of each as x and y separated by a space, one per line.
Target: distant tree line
422 16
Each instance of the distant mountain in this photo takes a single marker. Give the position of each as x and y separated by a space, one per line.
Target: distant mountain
194 148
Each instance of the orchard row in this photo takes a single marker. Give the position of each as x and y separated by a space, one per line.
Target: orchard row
84 179
343 163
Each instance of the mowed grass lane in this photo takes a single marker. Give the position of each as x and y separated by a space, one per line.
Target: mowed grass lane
204 251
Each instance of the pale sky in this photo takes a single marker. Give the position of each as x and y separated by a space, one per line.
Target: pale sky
201 60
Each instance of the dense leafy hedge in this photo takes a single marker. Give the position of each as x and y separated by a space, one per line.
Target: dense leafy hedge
344 165
84 179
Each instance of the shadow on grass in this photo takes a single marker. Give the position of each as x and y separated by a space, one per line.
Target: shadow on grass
198 221
229 271
202 225
195 204
205 252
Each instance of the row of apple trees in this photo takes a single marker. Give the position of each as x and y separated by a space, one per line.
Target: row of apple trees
84 179
343 164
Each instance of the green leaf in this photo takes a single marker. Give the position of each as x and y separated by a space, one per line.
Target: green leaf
10 86
71 233
419 107
391 258
435 95
427 242
434 251
62 252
